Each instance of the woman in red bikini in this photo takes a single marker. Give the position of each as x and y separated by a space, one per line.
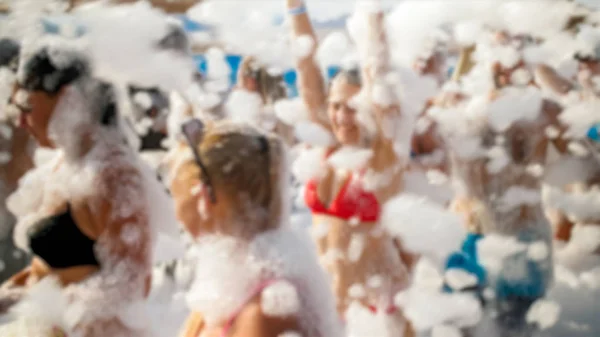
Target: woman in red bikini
374 272
256 276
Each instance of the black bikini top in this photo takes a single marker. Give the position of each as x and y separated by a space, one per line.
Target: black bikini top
60 243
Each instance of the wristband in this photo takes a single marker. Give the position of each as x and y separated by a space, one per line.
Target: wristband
297 10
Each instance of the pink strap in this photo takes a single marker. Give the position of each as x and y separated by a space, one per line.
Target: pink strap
257 290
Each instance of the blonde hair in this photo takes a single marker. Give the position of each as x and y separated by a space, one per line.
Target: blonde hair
245 167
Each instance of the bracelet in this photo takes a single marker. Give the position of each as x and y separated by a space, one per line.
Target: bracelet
297 10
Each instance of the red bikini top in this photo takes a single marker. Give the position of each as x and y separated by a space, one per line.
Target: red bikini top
351 201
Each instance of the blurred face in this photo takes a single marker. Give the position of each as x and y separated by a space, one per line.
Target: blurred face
36 110
186 205
250 84
341 115
192 204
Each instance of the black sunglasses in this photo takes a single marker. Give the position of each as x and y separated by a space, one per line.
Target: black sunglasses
193 131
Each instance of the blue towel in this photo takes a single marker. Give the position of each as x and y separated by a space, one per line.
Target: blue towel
531 286
467 260
593 133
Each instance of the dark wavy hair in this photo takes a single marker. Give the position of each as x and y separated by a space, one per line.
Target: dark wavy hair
40 73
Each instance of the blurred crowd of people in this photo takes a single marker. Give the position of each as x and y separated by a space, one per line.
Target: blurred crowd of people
458 183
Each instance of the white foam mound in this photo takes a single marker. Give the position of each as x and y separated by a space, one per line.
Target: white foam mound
514 105
493 249
423 226
544 312
309 164
459 309
122 41
280 300
350 158
33 309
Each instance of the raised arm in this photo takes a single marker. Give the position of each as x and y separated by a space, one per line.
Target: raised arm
310 81
387 163
376 68
376 56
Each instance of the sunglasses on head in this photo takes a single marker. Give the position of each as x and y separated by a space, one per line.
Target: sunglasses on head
193 132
